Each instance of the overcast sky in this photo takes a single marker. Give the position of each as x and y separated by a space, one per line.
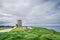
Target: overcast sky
31 12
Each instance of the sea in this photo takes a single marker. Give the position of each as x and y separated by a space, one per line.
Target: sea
56 28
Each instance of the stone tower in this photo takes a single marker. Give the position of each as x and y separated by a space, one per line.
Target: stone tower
19 23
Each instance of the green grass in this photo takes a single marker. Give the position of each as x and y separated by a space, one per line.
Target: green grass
19 29
3 28
35 33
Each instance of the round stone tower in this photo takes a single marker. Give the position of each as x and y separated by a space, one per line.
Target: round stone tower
19 23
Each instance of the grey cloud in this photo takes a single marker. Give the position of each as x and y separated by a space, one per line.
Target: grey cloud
30 11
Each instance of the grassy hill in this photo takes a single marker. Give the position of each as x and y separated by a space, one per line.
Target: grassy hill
35 33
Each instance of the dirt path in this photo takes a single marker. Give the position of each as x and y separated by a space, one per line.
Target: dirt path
7 30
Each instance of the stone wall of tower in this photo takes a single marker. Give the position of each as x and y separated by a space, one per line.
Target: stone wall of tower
19 23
